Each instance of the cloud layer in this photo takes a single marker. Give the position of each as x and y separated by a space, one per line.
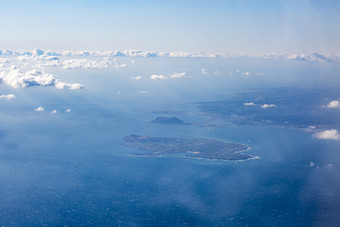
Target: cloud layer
36 53
158 77
21 68
178 75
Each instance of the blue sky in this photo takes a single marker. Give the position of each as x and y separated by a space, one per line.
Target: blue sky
234 26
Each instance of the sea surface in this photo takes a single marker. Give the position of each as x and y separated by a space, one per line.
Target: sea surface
69 168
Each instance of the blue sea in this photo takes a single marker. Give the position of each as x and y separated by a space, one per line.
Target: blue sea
70 169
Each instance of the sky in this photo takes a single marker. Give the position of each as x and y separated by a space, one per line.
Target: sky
229 26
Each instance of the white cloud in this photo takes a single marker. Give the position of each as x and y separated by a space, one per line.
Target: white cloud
178 75
331 134
37 52
246 74
249 104
259 74
54 111
136 77
10 96
26 58
310 57
40 108
143 92
15 78
333 104
68 111
265 106
203 71
35 58
162 77
184 55
85 63
62 85
76 63
158 77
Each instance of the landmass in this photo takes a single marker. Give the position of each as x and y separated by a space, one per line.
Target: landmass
168 120
191 147
293 107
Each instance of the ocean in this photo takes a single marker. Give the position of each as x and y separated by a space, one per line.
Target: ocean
70 169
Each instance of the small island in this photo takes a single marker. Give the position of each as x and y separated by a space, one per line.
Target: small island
191 147
168 120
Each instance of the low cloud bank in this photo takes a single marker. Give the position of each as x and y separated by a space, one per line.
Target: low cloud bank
36 53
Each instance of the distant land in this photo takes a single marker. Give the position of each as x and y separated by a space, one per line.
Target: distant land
293 107
168 120
191 147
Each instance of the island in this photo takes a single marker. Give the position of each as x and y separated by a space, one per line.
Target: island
190 147
168 120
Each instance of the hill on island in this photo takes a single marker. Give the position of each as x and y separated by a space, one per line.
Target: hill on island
168 120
